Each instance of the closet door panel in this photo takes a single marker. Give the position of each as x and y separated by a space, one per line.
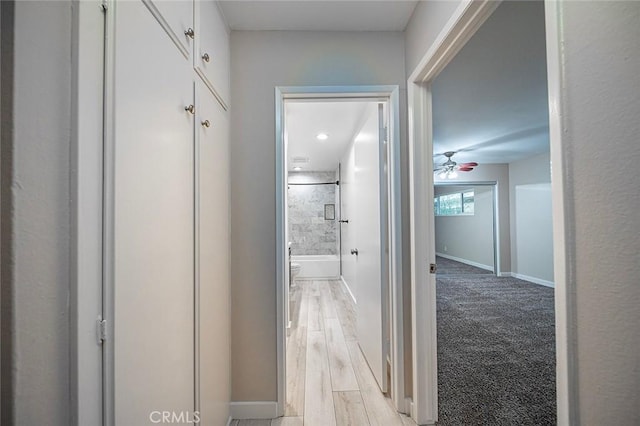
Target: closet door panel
176 18
153 222
213 237
211 60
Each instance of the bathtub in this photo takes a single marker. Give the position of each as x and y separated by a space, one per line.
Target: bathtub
318 266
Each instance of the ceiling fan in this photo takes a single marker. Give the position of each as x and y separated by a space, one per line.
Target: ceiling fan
449 169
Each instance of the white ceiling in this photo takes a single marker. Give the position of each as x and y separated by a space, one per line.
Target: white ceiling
305 120
315 15
490 102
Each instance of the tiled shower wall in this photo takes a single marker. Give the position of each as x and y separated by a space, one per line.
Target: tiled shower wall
309 232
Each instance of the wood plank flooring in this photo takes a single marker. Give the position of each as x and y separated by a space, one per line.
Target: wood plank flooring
328 380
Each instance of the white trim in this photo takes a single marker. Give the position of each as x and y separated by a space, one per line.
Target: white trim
332 277
465 261
408 402
229 420
344 282
282 290
563 254
391 93
254 410
87 160
531 279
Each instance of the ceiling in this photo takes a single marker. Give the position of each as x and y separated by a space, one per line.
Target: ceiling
314 15
490 103
340 120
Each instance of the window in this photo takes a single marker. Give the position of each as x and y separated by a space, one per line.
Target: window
456 204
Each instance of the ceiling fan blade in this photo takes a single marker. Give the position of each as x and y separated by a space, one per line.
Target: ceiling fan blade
471 164
465 169
439 169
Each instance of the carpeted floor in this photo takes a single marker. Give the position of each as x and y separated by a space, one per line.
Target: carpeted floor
496 352
451 267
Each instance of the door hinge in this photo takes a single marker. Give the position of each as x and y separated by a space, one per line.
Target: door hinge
433 268
386 134
102 330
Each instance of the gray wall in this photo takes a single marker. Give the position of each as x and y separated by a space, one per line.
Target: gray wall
468 237
494 173
428 19
260 61
531 218
600 142
36 219
600 101
309 232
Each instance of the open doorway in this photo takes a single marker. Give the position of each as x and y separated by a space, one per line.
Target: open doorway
481 114
339 251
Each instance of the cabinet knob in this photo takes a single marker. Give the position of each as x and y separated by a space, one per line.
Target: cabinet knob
189 33
206 123
190 108
206 57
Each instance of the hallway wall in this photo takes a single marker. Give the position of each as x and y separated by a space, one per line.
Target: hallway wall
36 203
260 61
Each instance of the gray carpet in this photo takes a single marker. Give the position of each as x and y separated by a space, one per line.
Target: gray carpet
496 352
451 267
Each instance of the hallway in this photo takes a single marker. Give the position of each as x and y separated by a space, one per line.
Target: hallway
328 379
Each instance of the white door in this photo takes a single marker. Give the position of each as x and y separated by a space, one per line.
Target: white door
370 225
153 222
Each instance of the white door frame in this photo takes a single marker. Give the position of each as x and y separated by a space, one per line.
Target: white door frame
391 94
465 21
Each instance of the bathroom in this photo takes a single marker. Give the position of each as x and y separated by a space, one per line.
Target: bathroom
314 234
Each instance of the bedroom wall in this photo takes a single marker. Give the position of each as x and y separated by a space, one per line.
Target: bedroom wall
494 173
468 237
531 219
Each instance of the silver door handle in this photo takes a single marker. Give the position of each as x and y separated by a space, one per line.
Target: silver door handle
354 251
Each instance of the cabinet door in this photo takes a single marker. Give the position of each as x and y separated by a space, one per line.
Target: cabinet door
212 165
153 222
211 60
176 18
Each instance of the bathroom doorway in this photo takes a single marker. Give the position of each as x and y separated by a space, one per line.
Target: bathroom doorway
338 245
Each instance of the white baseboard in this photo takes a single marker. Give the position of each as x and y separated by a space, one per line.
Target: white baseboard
533 279
254 410
504 274
465 261
229 421
348 290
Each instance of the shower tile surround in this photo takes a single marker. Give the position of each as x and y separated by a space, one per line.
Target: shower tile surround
309 232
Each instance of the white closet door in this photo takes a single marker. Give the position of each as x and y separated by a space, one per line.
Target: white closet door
153 246
370 290
211 60
213 258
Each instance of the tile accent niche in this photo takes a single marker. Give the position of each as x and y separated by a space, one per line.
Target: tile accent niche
309 232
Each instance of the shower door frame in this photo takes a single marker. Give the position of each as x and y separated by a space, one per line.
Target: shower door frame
391 95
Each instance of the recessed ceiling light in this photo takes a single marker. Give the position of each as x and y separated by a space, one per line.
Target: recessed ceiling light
322 136
297 169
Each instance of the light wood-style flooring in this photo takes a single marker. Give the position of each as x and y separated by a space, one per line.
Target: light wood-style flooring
328 380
